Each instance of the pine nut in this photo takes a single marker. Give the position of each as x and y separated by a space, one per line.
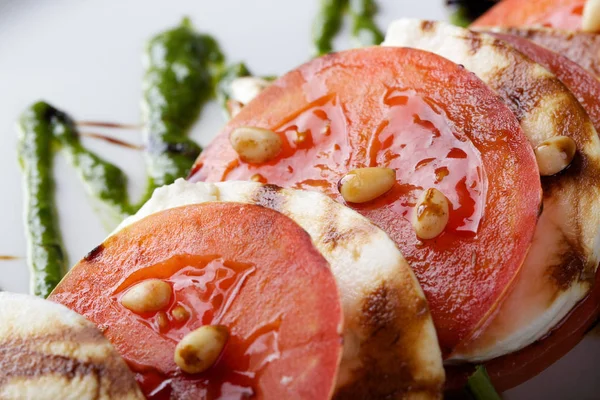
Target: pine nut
255 145
258 178
366 184
180 314
431 214
147 296
326 129
555 154
162 320
590 21
200 349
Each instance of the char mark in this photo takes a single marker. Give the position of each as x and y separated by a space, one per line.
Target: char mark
95 253
268 196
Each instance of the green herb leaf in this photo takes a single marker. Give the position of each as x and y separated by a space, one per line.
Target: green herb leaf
480 385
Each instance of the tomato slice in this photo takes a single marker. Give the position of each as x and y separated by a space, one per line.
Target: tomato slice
583 84
243 266
580 47
438 126
563 14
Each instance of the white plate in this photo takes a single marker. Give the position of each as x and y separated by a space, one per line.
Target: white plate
84 57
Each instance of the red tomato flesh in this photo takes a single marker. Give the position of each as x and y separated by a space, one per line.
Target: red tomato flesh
581 83
562 14
438 126
243 266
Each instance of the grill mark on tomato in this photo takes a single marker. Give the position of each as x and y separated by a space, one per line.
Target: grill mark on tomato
94 253
21 359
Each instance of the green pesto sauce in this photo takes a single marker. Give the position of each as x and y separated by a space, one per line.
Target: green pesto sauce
364 28
182 68
328 23
47 259
460 17
480 387
102 180
43 129
183 71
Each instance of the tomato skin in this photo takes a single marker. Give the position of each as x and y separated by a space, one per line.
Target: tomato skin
409 98
562 14
243 266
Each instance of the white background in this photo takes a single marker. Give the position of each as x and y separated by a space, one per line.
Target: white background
84 56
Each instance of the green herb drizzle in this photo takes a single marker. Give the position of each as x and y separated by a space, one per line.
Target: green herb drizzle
182 71
42 129
102 180
364 28
480 386
328 23
47 258
460 17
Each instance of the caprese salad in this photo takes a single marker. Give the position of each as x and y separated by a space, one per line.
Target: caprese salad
383 222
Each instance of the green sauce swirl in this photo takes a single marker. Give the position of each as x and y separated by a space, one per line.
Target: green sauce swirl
182 71
328 23
45 252
182 68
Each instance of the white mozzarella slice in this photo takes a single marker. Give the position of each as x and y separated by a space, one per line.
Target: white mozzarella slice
389 337
561 263
246 88
50 352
